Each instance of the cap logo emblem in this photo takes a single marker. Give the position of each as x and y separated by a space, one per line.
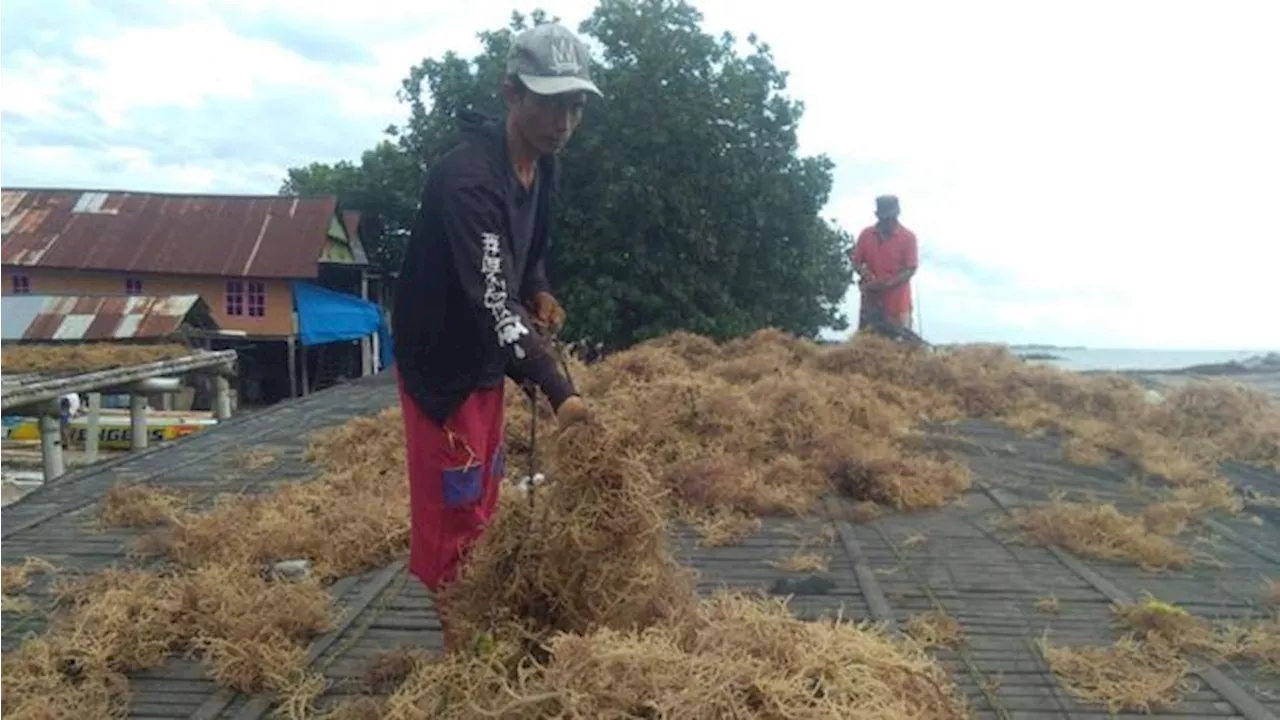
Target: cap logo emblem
563 59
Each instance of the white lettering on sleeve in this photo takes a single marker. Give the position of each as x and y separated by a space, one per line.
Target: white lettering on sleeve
508 325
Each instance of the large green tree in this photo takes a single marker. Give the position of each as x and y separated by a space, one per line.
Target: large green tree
684 203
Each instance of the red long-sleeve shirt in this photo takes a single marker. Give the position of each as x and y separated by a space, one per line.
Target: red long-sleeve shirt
884 258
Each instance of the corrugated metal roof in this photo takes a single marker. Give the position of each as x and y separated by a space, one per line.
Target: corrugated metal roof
229 236
105 317
351 221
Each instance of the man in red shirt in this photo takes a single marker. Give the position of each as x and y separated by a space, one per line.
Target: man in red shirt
885 258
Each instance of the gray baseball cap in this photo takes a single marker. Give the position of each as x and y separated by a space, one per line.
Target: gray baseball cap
887 205
549 59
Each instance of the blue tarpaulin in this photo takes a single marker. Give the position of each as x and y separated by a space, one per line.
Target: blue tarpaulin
326 316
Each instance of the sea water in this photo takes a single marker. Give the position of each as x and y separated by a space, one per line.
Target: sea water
1118 359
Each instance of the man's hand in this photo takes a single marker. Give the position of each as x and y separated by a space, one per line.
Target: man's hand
862 274
893 282
548 311
572 411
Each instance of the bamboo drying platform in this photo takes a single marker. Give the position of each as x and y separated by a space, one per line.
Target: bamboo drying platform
959 559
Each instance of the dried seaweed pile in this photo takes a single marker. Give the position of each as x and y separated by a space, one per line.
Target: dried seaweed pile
935 629
251 633
14 580
731 656
1148 668
84 357
1101 530
762 425
1123 676
216 594
590 552
590 614
1178 438
770 423
355 516
1172 629
573 606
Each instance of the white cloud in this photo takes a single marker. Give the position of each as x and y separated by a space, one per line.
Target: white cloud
1113 160
33 87
182 65
1109 167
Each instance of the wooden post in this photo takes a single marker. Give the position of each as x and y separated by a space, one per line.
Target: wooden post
137 421
51 445
293 367
94 427
222 394
306 382
366 343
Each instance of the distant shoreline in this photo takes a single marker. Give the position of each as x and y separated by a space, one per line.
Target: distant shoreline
1048 348
1258 365
1039 356
1263 364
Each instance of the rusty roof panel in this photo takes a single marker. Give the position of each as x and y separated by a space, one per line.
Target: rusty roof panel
150 325
117 305
43 326
107 317
103 326
229 236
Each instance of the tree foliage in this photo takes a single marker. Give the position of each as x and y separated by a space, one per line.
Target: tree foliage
684 203
384 187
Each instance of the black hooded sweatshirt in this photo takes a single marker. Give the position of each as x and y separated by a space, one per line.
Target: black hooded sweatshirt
460 320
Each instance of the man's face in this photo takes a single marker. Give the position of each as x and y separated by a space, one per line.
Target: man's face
547 121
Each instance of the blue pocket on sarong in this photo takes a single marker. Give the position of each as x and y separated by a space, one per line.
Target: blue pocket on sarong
498 468
462 486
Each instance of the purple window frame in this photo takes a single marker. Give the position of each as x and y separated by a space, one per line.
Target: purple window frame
235 297
21 284
256 298
133 286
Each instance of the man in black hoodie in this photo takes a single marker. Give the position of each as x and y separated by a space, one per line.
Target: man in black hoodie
472 292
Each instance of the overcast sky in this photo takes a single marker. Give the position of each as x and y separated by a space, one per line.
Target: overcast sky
1083 172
